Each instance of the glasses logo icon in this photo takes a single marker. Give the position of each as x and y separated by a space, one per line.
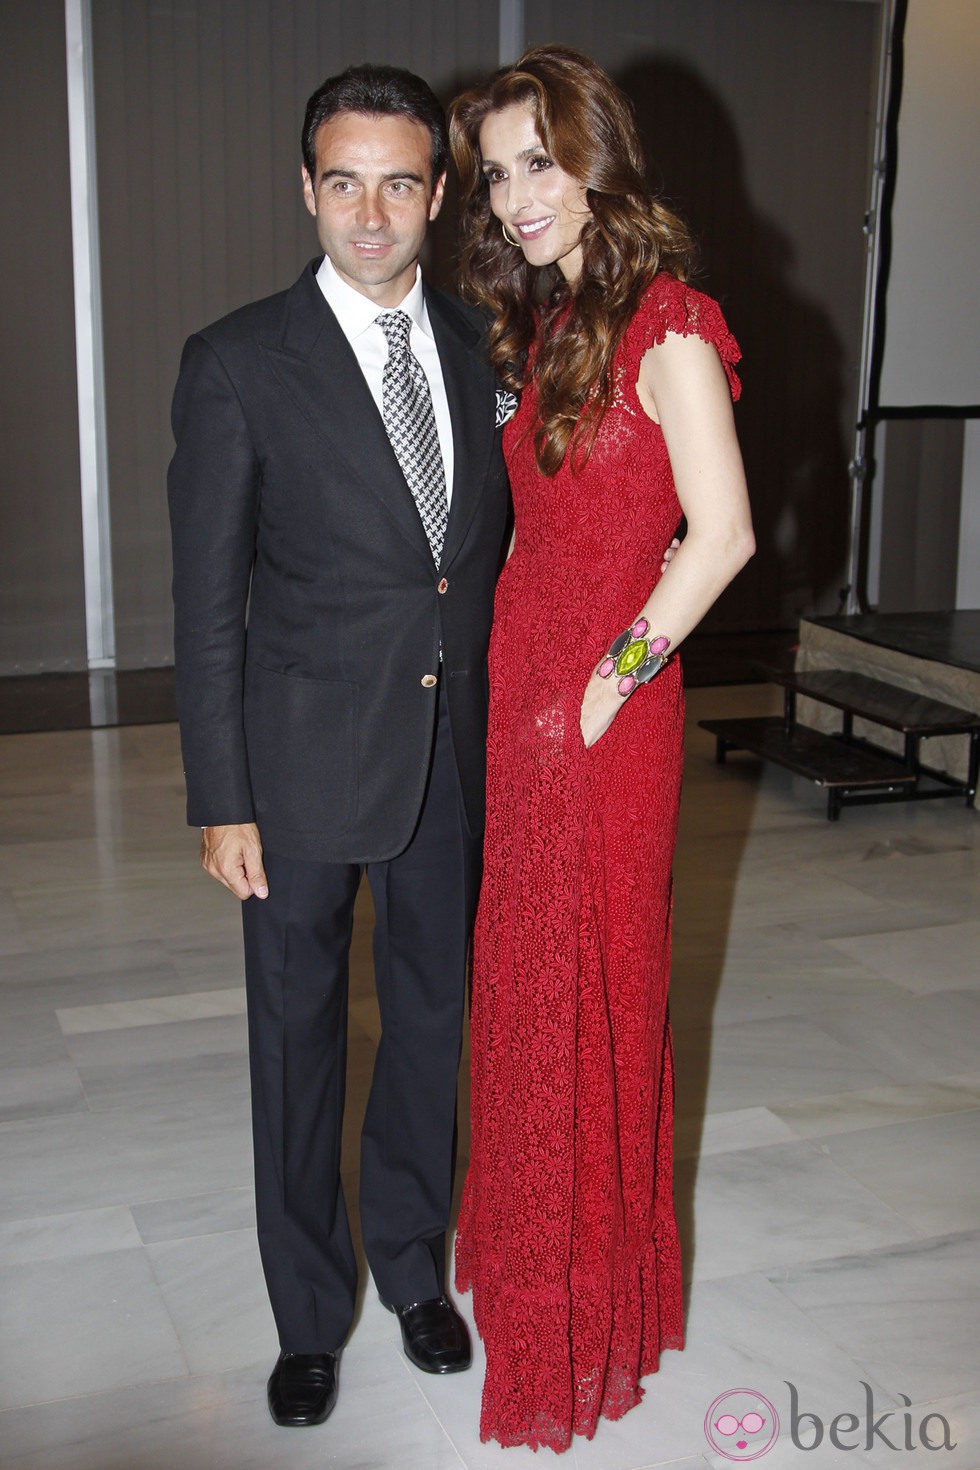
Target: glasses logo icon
728 1424
741 1424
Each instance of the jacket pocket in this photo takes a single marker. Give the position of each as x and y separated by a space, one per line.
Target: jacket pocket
301 737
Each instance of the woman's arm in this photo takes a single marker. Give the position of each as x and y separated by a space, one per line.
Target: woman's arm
682 386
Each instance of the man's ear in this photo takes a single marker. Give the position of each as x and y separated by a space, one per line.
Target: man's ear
309 198
437 194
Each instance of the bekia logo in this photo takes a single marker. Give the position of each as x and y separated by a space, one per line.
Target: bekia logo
896 1429
742 1425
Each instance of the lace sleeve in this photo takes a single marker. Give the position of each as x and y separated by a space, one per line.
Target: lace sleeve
668 305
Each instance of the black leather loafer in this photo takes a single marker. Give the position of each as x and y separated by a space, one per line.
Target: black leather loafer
303 1388
434 1335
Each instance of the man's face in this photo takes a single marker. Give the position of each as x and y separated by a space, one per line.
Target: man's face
372 198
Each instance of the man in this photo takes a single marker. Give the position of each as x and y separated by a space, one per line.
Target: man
338 475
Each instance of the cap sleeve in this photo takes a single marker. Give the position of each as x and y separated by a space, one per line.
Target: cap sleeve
669 305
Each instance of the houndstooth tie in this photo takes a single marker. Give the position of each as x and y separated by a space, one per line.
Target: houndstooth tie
411 425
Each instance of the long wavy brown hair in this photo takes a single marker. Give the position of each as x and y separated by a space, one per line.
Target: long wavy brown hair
586 125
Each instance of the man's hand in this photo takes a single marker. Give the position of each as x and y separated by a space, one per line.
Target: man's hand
233 855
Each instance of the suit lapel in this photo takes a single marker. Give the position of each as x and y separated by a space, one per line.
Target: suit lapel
317 367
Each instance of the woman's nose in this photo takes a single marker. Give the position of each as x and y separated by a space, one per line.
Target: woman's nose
518 194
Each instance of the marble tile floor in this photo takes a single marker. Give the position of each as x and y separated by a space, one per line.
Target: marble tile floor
825 1004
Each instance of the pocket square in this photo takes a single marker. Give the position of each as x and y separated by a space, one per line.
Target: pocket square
506 407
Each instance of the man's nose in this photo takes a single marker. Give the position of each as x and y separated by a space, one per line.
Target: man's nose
372 213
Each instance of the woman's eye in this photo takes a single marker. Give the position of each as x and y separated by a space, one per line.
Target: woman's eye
539 162
494 175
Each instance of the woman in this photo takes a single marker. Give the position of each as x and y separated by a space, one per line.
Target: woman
567 1232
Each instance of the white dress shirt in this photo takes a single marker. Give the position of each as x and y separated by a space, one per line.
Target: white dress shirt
357 316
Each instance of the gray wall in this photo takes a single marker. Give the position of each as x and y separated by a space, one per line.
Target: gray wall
198 110
42 610
920 522
757 118
756 114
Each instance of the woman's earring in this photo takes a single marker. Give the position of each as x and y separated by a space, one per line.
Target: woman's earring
509 238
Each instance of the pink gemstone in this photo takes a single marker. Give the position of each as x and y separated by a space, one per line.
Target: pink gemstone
606 667
640 627
660 645
627 685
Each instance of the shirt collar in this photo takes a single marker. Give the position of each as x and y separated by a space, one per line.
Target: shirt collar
356 312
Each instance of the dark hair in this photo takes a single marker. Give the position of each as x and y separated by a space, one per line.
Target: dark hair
381 91
586 124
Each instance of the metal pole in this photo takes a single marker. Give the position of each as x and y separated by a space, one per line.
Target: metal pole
864 446
90 365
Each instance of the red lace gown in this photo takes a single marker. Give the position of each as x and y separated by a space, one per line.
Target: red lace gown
566 1232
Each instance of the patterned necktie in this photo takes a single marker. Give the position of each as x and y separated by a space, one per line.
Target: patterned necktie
411 425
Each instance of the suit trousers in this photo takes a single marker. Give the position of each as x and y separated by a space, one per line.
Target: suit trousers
297 944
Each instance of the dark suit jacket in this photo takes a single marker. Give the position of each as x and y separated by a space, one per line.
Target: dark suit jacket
309 716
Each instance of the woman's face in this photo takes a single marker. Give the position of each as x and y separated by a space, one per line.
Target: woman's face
542 206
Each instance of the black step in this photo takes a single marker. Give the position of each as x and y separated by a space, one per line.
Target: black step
824 759
875 700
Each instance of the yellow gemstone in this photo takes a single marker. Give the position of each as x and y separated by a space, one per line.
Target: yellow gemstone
632 656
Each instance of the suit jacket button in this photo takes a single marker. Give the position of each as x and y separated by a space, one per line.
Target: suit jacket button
443 586
429 681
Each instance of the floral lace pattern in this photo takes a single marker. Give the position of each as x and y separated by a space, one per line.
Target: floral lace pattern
567 1233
